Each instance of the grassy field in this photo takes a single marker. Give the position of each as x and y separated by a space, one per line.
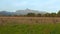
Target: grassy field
30 29
29 25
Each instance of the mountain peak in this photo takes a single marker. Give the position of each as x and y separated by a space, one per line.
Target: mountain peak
27 9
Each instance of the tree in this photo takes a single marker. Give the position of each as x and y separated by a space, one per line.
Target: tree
46 15
53 14
39 15
58 14
31 14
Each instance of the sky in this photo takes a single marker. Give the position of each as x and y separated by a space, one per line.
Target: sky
41 5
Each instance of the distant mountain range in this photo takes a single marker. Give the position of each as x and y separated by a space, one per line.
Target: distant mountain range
22 12
26 11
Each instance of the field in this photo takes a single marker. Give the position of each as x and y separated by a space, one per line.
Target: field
29 25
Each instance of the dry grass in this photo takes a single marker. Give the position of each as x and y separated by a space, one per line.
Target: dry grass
30 20
29 25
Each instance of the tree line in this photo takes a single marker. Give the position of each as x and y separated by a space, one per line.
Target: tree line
37 15
43 15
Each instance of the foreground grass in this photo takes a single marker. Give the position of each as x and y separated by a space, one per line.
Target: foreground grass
30 29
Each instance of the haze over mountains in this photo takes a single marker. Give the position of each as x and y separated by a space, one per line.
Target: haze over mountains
22 12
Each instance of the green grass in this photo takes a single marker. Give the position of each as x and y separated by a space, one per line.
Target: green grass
30 29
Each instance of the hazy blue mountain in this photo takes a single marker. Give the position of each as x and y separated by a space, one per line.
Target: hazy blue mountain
5 13
26 11
22 12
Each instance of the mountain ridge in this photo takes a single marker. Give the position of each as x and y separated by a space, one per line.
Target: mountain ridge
22 12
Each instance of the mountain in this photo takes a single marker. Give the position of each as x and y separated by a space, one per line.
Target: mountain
6 13
26 11
22 12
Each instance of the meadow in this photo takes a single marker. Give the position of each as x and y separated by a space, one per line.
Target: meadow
29 25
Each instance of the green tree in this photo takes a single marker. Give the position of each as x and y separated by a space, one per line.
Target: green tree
58 14
53 15
31 14
46 15
39 15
